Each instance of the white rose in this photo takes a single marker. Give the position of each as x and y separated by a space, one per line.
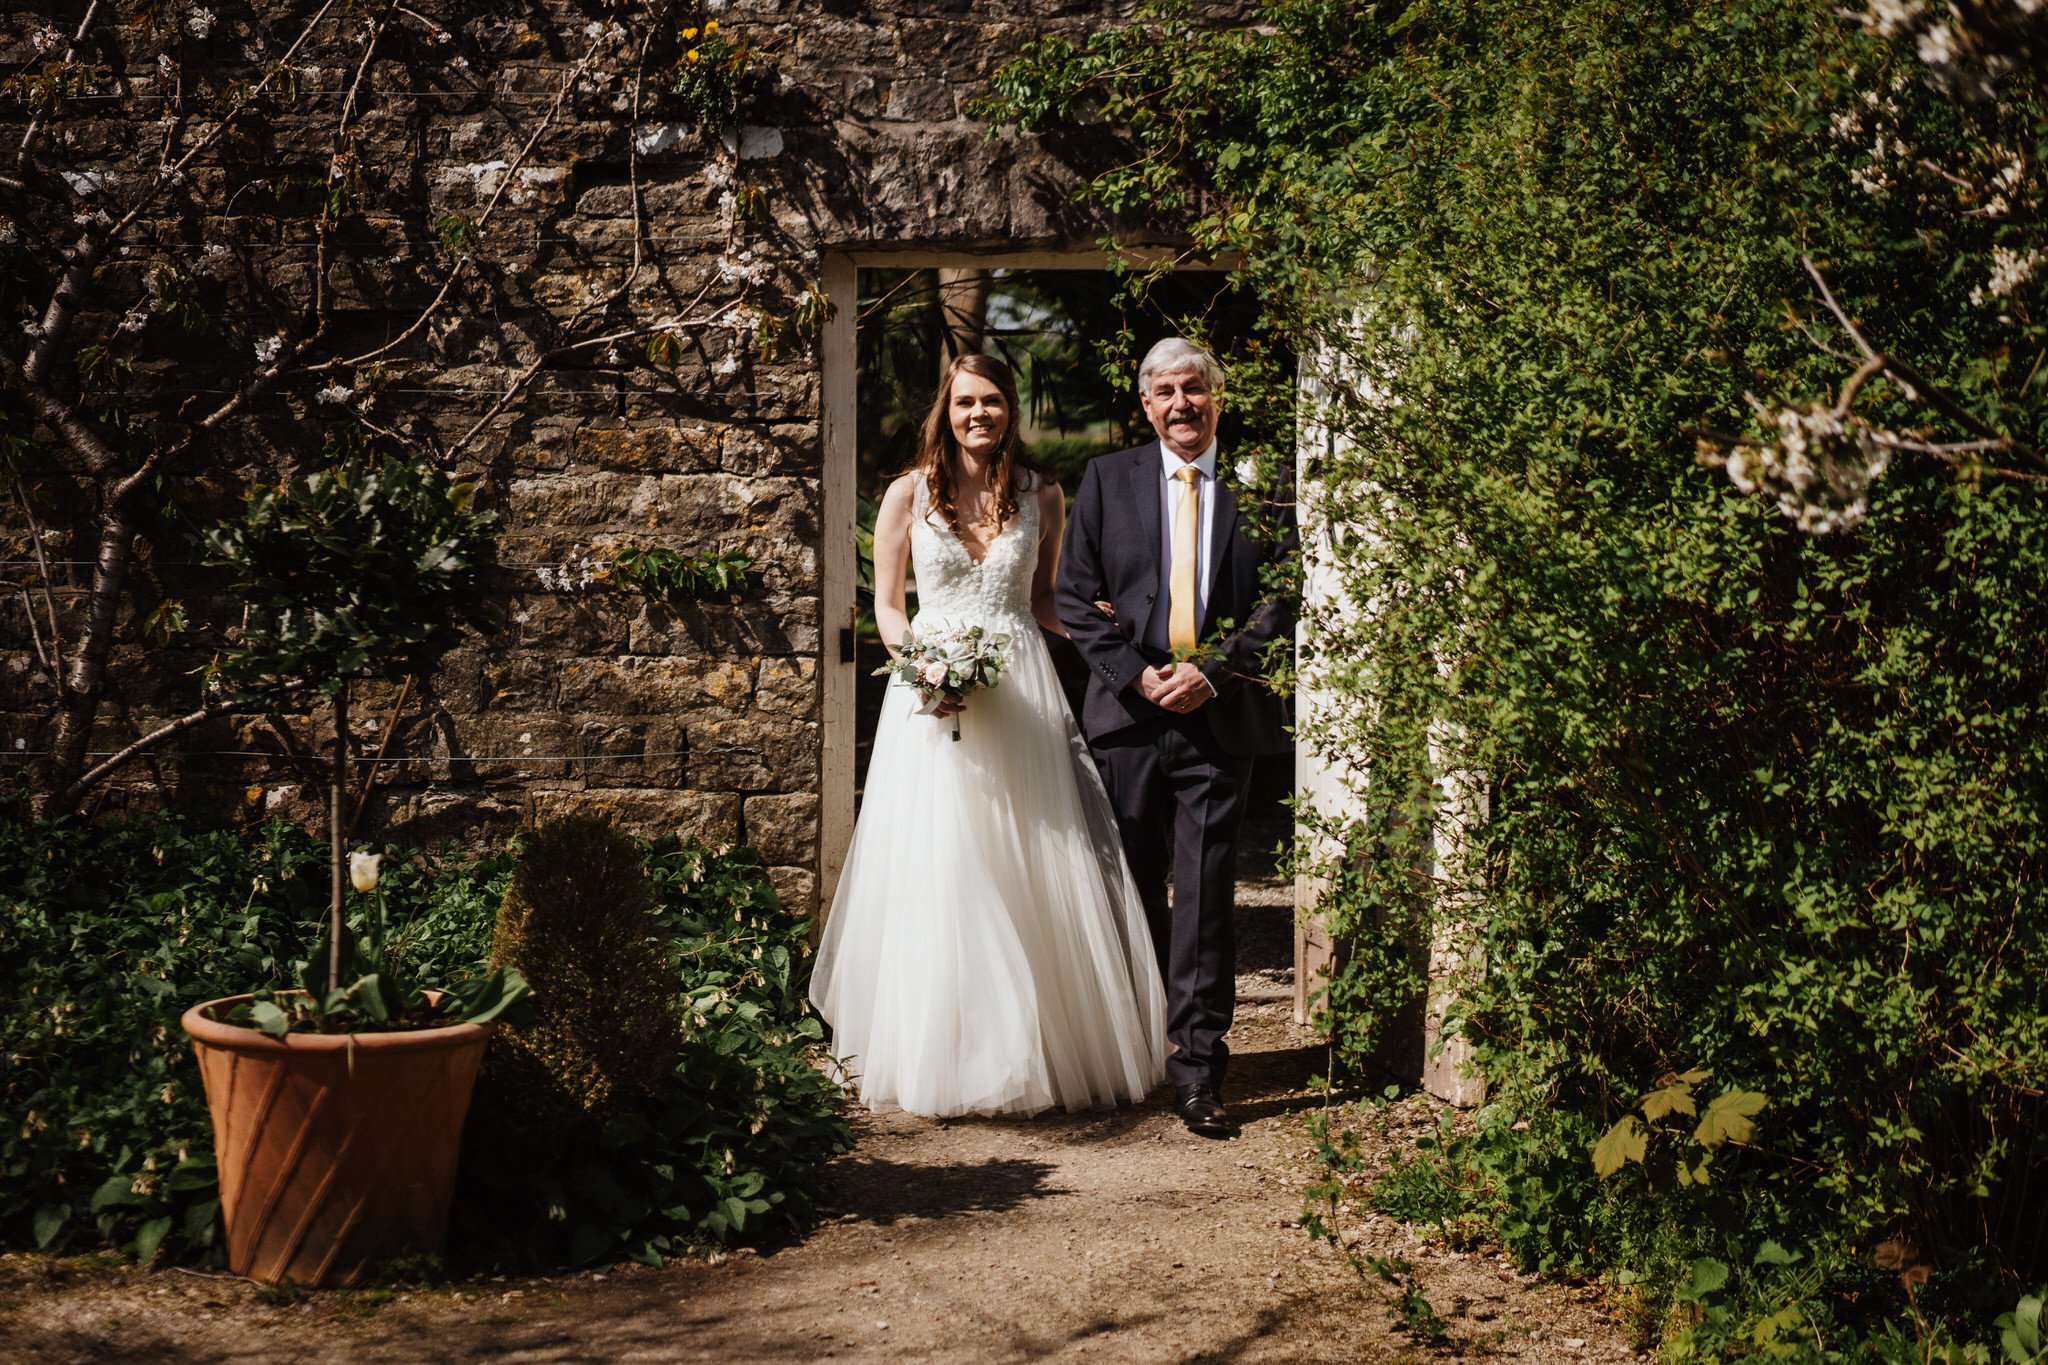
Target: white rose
362 870
934 674
1247 472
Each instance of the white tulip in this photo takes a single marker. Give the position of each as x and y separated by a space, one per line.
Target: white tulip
362 870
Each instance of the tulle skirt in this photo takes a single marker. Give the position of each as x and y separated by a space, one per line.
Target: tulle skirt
986 952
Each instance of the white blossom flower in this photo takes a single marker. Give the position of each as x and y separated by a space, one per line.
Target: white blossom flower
166 66
1247 471
1819 471
199 23
1889 17
268 348
43 39
1937 46
335 393
2009 270
362 870
727 365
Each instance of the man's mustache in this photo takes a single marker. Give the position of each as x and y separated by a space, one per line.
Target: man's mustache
1184 415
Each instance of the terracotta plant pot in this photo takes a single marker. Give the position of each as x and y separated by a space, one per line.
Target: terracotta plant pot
335 1151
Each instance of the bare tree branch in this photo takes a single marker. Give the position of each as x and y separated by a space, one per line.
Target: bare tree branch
113 762
55 662
467 260
1917 386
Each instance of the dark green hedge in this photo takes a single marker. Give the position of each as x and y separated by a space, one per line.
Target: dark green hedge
1698 791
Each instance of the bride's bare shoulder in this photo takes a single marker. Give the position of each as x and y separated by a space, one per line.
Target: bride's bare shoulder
901 490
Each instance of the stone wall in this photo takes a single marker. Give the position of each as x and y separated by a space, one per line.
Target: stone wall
696 716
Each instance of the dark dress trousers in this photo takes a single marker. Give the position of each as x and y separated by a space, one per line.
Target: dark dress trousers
1177 780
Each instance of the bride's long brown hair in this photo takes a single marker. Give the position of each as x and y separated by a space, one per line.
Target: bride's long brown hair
938 454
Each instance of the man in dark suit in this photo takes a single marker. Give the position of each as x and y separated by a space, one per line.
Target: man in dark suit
1160 586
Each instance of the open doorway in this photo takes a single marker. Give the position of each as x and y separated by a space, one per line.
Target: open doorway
1044 314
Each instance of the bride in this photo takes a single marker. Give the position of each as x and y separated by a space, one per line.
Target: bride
986 952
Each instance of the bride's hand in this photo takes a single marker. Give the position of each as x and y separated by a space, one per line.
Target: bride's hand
951 706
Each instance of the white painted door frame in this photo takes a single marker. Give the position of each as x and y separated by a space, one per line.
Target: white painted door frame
838 363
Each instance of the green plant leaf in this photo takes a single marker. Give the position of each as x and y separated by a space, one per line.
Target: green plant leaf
2019 1332
49 1220
1626 1141
265 1015
1675 1098
1770 1253
150 1237
1728 1118
1709 1276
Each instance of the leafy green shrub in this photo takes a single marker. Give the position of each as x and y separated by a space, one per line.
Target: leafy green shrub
110 932
107 935
1696 789
710 1126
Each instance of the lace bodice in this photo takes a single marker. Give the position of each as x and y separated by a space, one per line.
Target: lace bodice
951 587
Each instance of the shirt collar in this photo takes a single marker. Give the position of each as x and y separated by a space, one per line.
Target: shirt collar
1206 461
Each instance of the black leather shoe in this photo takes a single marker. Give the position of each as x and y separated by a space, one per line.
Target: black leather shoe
1201 1111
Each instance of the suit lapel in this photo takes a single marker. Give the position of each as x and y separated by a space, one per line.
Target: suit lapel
1222 535
1141 489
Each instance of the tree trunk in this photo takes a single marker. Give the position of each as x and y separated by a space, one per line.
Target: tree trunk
963 311
86 682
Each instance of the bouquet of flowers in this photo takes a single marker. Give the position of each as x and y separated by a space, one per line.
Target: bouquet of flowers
945 664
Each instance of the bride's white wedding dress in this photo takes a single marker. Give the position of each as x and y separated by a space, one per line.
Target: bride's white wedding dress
986 952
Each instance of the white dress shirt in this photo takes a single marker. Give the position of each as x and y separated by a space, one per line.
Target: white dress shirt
1158 626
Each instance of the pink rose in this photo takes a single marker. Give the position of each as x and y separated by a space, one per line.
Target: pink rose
934 674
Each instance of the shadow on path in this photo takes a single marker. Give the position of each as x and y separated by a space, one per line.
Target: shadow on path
876 1190
1265 1084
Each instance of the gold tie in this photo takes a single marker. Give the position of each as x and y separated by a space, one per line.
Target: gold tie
1180 614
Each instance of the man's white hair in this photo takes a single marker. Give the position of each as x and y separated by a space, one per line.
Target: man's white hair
1178 353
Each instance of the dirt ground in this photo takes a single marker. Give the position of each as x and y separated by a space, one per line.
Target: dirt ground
1113 1236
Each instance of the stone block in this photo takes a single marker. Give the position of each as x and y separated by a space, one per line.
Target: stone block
783 828
787 689
782 626
653 685
794 449
797 889
750 754
712 816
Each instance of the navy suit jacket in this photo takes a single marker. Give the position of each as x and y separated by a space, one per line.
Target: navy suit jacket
1112 555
